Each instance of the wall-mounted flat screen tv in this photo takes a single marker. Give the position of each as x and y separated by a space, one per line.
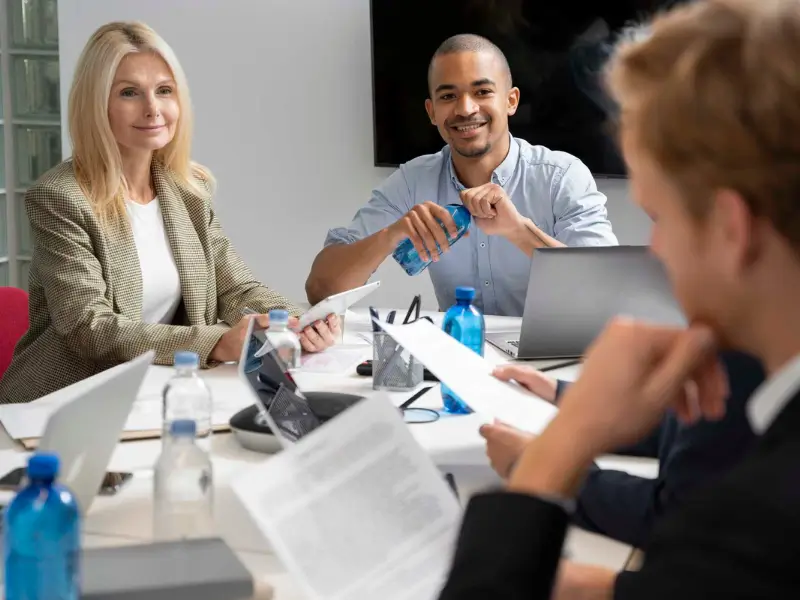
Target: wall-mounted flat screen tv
556 51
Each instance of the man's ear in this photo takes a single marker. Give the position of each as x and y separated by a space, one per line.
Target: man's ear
429 110
513 100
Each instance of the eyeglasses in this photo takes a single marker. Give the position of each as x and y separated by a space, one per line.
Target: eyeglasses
418 415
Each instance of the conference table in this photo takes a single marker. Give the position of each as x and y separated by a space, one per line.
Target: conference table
452 442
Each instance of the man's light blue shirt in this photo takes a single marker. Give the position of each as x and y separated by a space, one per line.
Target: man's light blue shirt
553 189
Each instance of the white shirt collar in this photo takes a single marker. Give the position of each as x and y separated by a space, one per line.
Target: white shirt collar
772 396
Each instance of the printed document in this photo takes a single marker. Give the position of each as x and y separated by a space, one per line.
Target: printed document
356 510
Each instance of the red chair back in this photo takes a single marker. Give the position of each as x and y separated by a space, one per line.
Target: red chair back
13 322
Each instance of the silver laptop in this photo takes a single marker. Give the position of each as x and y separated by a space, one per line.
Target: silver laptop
84 431
282 405
573 292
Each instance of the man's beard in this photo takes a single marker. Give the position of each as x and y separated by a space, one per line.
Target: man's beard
474 152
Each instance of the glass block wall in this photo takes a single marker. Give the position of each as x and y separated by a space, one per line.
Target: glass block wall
30 129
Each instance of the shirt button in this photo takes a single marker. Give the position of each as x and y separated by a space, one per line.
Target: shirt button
485 283
483 244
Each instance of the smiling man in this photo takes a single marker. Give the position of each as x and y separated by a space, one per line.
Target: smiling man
522 196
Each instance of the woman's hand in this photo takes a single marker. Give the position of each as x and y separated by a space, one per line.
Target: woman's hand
320 335
229 346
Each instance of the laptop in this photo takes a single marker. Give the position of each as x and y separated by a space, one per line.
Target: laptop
573 292
86 427
282 405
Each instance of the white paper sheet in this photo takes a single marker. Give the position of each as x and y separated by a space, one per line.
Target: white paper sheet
470 377
356 510
337 360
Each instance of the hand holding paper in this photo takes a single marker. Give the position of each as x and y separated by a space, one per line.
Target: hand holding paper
470 377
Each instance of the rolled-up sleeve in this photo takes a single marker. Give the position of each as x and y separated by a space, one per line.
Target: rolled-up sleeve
389 201
581 218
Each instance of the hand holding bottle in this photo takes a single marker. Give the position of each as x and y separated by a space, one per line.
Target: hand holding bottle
423 226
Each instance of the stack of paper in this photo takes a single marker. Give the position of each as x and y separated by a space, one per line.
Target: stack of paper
356 510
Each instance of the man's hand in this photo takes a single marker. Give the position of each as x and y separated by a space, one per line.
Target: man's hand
423 226
504 445
493 210
529 378
583 582
632 374
318 336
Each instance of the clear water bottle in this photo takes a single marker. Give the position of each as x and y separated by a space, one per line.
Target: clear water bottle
465 322
183 488
186 396
42 536
408 257
284 340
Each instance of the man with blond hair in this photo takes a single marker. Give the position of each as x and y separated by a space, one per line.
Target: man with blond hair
710 129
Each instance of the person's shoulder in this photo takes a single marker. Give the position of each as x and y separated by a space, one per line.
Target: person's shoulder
427 165
60 177
58 187
535 155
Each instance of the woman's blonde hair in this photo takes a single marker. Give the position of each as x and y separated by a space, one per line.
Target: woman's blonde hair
95 154
712 94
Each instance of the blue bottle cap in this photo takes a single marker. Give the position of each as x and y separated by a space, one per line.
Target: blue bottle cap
183 427
465 293
279 315
186 359
43 465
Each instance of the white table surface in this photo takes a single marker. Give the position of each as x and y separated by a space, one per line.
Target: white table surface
452 441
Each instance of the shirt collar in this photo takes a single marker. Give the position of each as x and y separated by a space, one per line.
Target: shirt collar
501 175
773 395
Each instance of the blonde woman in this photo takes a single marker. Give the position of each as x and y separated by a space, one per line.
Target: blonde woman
129 254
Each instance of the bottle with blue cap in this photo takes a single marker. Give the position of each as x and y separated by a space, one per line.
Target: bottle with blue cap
186 396
464 321
407 256
183 490
283 339
41 537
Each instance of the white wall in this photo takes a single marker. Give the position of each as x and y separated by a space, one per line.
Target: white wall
283 105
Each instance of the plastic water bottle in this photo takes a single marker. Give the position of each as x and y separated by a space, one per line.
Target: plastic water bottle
465 322
408 257
284 340
183 487
42 537
186 396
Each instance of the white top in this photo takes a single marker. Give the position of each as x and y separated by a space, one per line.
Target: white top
773 395
161 284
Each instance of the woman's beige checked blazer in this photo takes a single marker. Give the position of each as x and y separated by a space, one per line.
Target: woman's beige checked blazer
86 286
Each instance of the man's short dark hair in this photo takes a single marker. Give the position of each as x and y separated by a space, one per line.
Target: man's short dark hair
468 42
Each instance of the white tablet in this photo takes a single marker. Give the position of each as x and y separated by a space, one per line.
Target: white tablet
336 304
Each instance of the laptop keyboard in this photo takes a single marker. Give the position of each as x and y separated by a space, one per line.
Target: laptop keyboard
514 343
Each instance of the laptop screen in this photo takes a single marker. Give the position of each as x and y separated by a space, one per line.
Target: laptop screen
283 406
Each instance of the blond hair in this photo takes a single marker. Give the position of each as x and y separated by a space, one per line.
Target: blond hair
712 94
95 154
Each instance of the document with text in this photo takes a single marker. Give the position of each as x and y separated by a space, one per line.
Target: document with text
357 510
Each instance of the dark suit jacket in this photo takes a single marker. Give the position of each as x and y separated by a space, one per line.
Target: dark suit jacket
736 538
624 507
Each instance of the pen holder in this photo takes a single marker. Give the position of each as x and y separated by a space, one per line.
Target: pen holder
393 368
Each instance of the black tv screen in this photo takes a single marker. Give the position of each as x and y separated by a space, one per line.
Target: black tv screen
556 51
